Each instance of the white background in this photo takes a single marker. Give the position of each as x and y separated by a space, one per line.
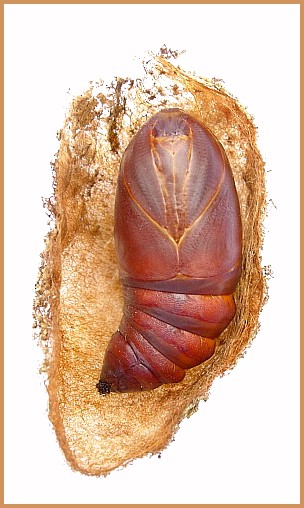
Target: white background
242 446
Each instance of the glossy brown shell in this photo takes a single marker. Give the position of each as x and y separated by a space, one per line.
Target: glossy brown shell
178 243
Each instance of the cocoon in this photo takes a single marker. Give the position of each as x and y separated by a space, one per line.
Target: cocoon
79 300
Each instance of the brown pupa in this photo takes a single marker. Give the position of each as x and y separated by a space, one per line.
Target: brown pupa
179 242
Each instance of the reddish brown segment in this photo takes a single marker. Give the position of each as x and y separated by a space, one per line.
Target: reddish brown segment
178 243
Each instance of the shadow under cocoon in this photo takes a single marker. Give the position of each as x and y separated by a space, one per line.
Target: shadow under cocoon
79 302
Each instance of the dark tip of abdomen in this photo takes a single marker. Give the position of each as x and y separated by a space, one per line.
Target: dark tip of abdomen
103 387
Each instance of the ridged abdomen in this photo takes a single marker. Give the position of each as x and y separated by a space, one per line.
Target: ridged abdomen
162 334
178 243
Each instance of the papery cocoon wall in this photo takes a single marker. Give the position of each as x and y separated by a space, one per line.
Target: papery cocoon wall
79 300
